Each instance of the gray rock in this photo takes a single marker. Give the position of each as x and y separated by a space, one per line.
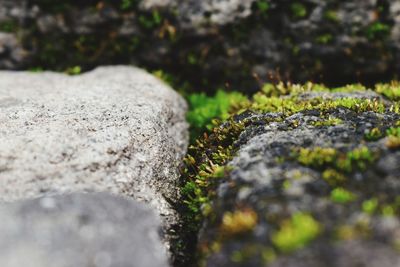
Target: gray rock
284 202
115 129
85 230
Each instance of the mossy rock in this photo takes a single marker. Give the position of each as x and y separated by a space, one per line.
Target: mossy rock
311 178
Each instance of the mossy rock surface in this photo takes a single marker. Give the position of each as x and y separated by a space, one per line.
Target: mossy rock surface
314 182
238 44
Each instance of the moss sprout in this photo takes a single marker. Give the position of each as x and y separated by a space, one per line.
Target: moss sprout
263 6
373 134
332 15
204 109
74 70
342 196
377 30
317 157
324 38
391 90
370 206
238 222
296 232
8 26
333 177
330 121
298 10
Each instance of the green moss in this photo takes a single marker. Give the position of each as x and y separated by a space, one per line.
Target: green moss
269 101
370 206
296 232
298 10
388 211
36 70
331 15
204 109
350 88
74 70
330 121
150 21
317 157
128 4
377 30
359 158
391 91
204 165
329 158
263 6
192 59
325 38
238 222
8 26
393 131
373 134
342 196
333 177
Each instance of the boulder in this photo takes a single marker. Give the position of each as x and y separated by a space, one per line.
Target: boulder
116 129
95 229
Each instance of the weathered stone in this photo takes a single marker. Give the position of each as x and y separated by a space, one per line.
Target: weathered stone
115 129
80 230
315 188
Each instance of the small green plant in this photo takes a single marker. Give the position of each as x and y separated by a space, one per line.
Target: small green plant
342 196
74 70
377 30
8 26
298 10
238 222
332 15
325 38
331 121
360 157
388 211
150 21
329 158
373 134
333 177
262 5
296 232
127 4
317 157
391 91
350 88
370 206
393 131
204 109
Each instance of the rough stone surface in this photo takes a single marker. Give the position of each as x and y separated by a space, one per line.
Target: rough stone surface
228 40
115 129
267 185
80 230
